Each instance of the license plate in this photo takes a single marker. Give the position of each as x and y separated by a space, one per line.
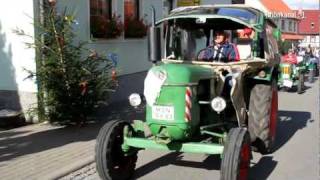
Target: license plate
285 76
286 70
287 83
163 113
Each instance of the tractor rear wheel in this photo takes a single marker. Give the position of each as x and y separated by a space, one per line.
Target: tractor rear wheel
236 155
112 163
317 70
300 83
312 71
263 109
311 76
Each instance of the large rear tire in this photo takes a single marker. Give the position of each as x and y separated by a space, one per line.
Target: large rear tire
300 83
111 162
317 70
263 109
311 74
236 155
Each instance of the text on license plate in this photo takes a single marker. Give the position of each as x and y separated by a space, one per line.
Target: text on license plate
163 112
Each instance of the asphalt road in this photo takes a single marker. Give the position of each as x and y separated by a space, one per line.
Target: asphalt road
296 154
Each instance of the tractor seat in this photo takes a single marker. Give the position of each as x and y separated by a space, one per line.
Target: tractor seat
244 48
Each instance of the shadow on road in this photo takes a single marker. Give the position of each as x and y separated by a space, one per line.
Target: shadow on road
12 147
263 168
212 162
289 122
8 134
294 89
25 144
15 143
121 111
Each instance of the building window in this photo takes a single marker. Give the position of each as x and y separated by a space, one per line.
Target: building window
308 39
275 21
290 26
305 40
134 26
103 24
100 8
313 39
238 2
131 9
283 25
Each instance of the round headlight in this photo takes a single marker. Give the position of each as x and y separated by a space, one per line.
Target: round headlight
134 99
218 104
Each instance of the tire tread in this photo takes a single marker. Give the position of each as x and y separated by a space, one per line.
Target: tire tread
259 116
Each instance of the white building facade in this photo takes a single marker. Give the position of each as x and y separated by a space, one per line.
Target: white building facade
19 93
16 92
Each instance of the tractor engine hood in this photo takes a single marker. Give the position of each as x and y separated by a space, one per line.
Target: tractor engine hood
184 74
173 75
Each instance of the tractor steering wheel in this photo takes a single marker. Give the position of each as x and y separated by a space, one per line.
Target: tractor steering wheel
198 54
211 58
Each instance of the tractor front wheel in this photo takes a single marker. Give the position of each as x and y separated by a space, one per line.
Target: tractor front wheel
111 162
236 155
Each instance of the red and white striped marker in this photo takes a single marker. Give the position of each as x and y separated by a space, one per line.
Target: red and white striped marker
188 104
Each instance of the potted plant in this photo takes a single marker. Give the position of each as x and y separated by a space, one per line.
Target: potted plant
103 27
135 28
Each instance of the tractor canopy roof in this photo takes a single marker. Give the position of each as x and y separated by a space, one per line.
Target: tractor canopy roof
226 16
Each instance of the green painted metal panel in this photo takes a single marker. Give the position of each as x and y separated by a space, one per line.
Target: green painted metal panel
277 34
178 128
268 77
179 77
195 147
184 73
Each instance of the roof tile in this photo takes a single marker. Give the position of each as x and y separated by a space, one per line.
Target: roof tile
310 16
276 6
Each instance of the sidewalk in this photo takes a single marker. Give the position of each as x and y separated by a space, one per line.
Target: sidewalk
43 151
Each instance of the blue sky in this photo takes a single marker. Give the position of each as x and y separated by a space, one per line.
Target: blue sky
304 4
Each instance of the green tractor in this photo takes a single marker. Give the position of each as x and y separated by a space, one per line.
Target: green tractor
292 76
189 107
312 66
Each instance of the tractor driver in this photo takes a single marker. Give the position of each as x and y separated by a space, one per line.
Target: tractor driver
221 51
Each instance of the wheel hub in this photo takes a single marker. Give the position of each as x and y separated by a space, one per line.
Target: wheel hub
244 162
